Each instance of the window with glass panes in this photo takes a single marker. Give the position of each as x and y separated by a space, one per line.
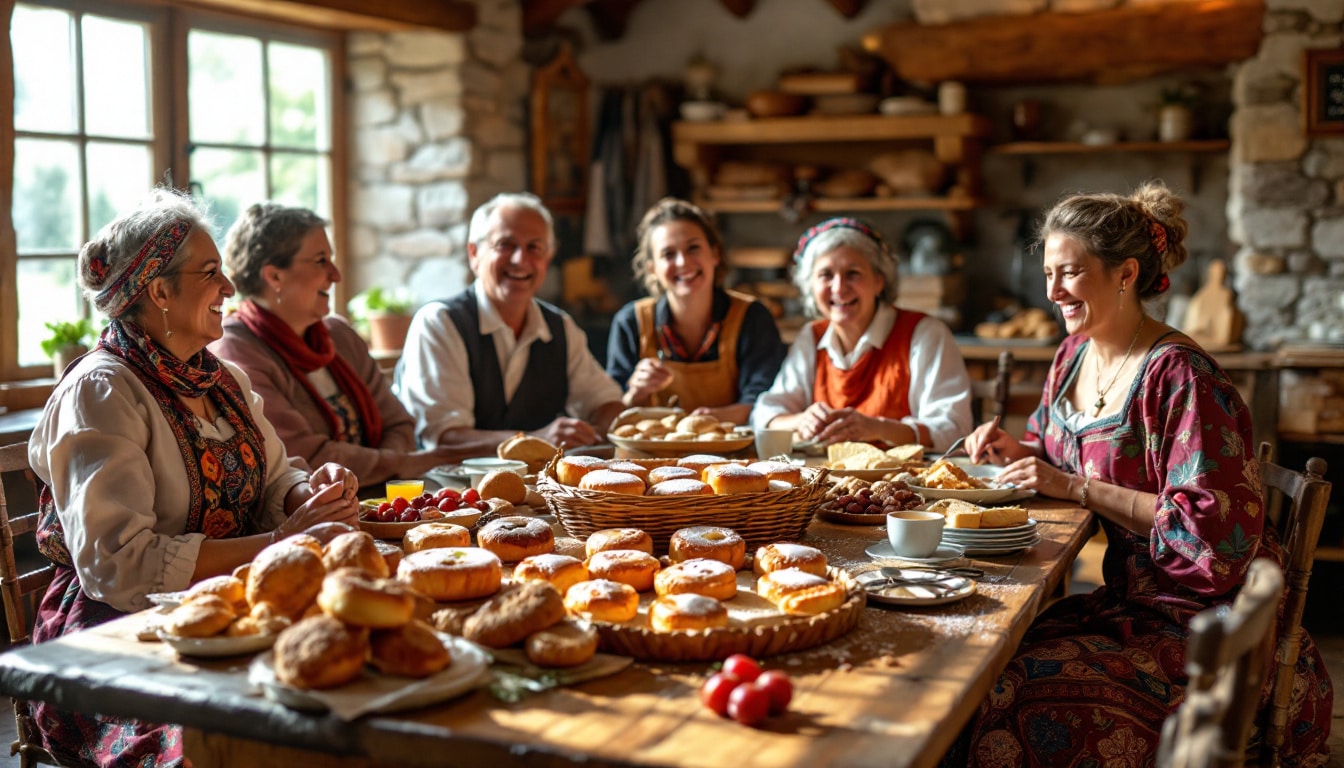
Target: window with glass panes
93 134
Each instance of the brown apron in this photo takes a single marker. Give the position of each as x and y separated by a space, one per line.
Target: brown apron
710 384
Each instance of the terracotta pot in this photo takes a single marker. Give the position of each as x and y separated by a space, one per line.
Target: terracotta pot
387 333
775 104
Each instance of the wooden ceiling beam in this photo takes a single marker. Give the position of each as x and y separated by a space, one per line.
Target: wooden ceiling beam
374 15
1116 45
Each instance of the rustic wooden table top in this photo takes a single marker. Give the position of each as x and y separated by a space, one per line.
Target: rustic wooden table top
896 691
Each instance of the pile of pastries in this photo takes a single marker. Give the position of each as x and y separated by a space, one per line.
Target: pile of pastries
854 455
1031 323
677 427
695 475
947 476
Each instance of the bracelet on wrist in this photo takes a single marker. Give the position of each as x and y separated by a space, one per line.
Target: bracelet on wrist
1082 494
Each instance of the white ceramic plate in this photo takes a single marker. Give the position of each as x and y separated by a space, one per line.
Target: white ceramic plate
975 495
946 551
941 589
375 692
168 600
218 646
991 550
977 534
678 448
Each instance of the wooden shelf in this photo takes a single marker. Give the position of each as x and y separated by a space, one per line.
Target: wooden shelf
1330 438
1076 148
842 204
830 128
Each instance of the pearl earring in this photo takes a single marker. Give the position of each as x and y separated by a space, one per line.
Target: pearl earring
168 331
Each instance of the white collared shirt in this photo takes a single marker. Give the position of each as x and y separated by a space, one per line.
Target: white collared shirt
435 385
940 387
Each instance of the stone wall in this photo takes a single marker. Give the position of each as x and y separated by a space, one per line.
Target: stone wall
1285 205
437 129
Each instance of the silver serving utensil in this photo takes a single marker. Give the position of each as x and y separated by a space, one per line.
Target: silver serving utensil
894 572
956 446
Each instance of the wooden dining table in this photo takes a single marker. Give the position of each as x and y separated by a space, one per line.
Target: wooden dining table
895 691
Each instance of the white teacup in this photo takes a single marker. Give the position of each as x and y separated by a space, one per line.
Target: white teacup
477 469
914 532
773 442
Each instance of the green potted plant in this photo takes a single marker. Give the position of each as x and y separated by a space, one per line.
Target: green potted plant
67 342
385 317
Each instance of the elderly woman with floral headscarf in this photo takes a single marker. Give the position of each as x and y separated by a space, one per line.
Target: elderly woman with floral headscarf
320 388
865 371
160 468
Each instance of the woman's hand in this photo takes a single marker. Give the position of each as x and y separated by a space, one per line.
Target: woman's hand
812 421
848 425
987 441
1039 475
327 504
649 376
332 473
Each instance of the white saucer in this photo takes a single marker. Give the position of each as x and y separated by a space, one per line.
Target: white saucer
946 551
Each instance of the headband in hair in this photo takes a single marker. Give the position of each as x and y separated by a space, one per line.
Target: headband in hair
841 222
153 257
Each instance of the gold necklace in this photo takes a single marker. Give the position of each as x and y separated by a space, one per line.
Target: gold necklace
1101 391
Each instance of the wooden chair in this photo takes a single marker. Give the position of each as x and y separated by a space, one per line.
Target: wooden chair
998 390
16 587
1226 657
1299 526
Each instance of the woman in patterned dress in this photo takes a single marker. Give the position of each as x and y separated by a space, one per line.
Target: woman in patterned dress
319 387
160 470
1141 426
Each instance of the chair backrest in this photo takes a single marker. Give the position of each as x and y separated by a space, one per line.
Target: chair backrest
998 390
1225 658
14 585
1306 496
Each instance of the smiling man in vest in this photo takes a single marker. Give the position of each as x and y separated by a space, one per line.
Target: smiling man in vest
494 360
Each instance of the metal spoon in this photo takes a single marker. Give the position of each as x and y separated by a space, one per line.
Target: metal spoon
893 572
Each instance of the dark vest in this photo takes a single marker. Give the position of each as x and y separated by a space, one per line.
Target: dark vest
544 390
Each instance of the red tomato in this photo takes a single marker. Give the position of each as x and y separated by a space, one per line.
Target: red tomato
447 505
401 504
449 494
715 691
410 516
471 496
779 686
742 666
748 704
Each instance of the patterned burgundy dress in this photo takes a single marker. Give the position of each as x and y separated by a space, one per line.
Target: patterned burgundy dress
1097 674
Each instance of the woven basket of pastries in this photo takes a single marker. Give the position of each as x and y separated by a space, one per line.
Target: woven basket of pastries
778 511
672 432
770 632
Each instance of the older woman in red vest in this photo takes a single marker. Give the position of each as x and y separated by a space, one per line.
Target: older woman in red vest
866 370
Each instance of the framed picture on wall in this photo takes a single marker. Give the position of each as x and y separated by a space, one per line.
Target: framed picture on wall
1324 108
559 134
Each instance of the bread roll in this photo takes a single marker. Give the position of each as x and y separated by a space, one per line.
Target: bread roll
502 484
435 535
560 571
628 566
353 597
571 469
412 650
231 588
205 616
515 613
684 487
286 576
517 537
795 591
700 576
533 450
603 600
735 478
453 573
661 474
630 467
708 541
685 612
700 462
698 424
779 470
618 538
777 557
608 481
567 644
320 652
357 550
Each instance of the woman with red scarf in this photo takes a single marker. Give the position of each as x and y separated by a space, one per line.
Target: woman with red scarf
159 469
320 388
865 370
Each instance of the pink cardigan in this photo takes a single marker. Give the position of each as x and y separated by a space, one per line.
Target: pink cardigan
297 419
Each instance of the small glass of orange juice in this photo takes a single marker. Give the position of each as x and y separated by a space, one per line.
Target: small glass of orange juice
405 489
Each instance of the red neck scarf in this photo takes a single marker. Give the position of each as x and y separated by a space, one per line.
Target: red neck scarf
314 351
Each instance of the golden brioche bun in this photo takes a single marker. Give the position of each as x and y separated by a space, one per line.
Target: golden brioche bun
612 482
618 538
286 575
603 600
391 553
628 566
779 470
735 478
700 462
523 447
231 588
698 424
782 555
358 550
205 616
413 649
560 571
353 597
502 484
630 468
516 537
686 611
435 535
708 541
700 576
569 470
795 591
686 486
661 474
515 613
453 573
567 644
320 652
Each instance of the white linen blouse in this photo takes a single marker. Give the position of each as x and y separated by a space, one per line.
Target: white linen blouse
120 485
940 387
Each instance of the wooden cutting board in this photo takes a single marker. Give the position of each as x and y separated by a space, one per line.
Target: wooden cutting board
1212 317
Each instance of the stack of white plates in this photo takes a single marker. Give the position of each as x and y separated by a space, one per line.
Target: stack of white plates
993 541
